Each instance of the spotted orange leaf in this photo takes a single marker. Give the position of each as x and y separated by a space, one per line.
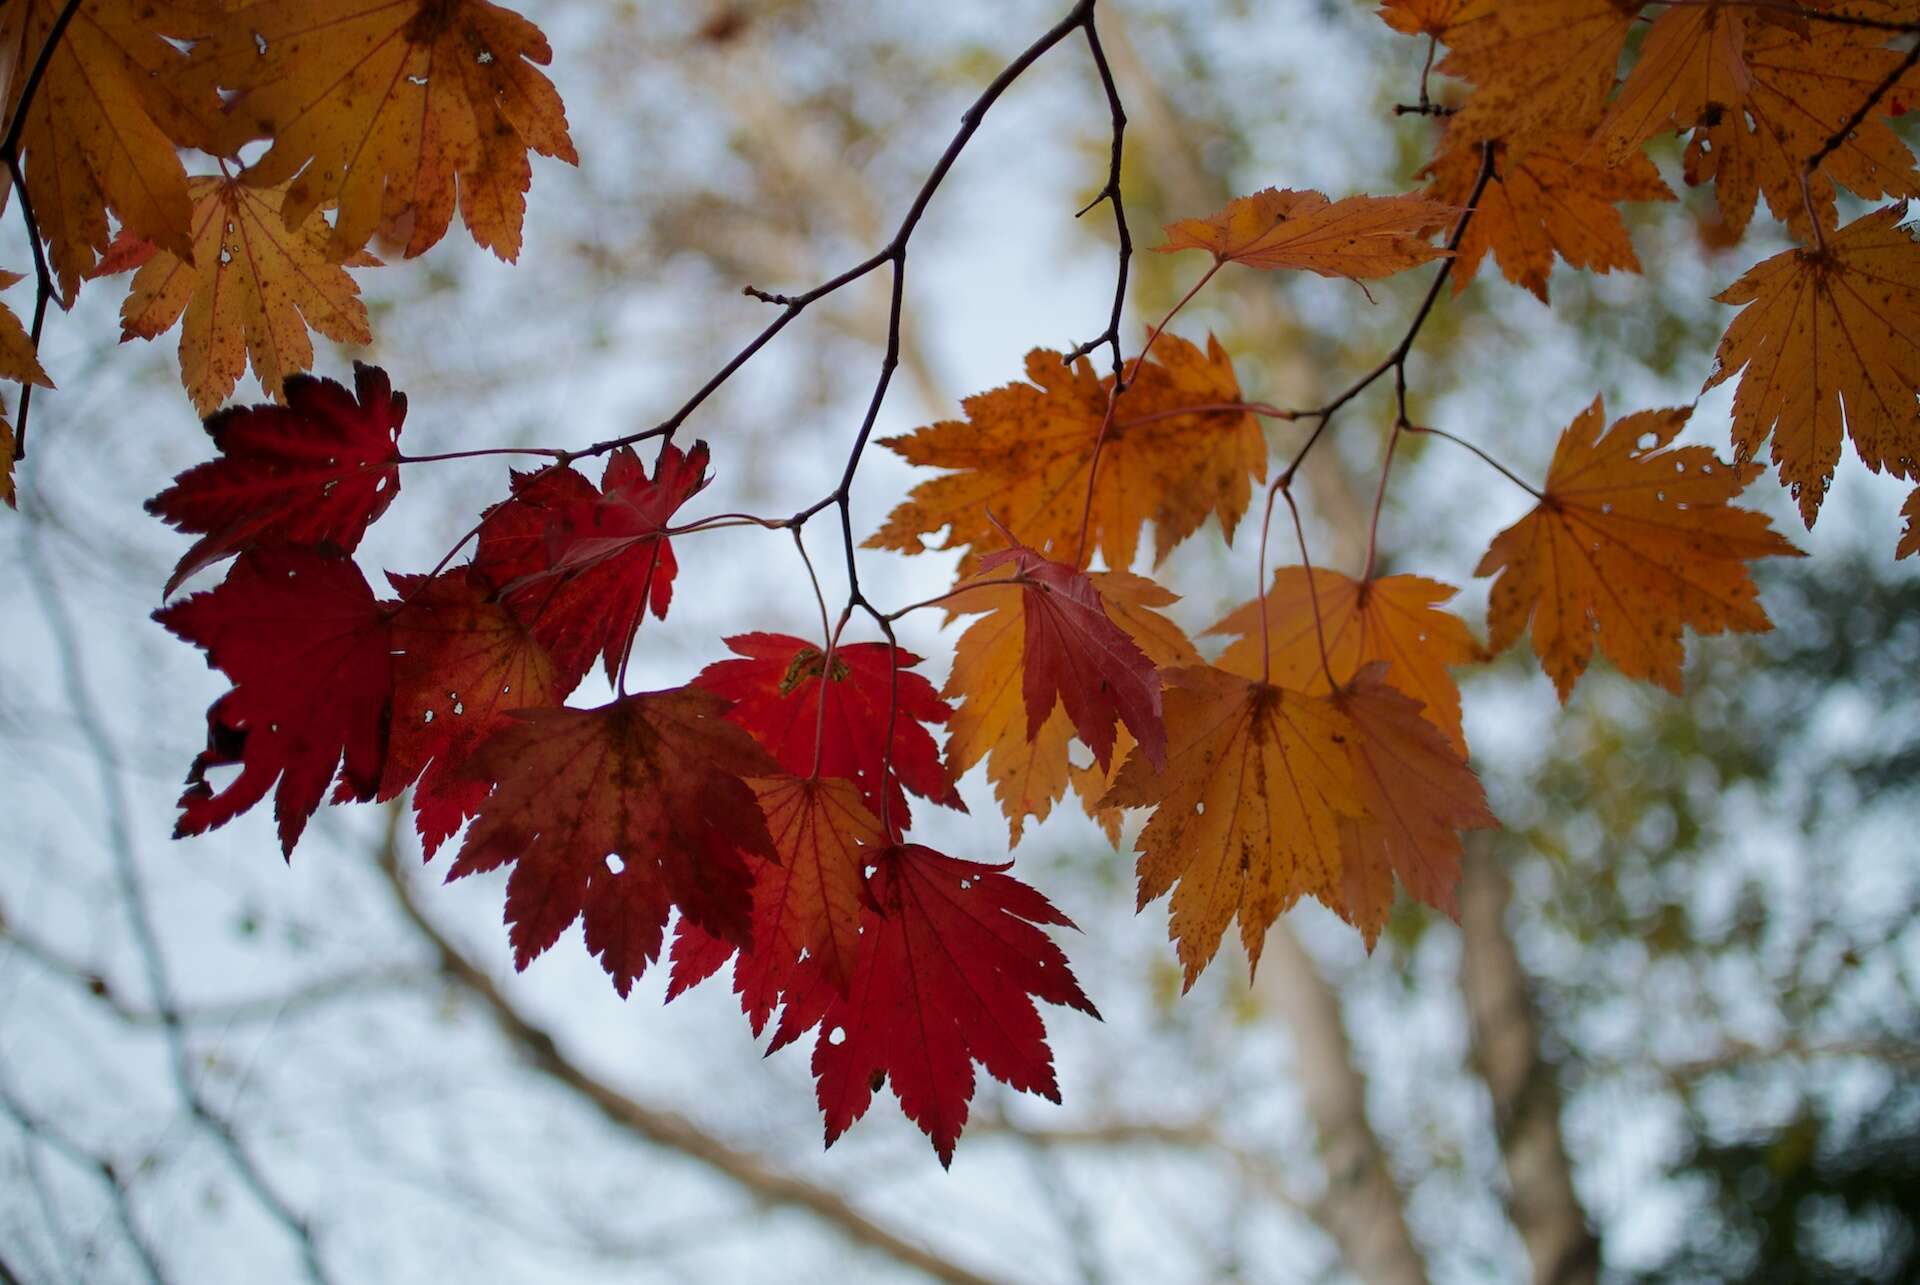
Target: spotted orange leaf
1829 346
1633 540
250 292
392 110
1692 64
1359 237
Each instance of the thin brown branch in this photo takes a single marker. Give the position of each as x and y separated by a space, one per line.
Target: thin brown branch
661 1127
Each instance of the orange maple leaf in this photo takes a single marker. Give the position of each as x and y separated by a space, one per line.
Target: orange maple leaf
389 109
1358 237
19 363
1551 198
1803 86
1395 619
1247 815
990 721
105 125
1829 345
249 293
1692 63
1023 451
809 905
1423 17
1417 793
1631 543
1910 538
1541 66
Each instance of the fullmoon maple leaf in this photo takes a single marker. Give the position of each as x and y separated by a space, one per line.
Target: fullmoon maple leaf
1030 774
1247 813
807 910
777 687
952 957
1395 619
1542 66
1417 793
250 292
1358 237
1072 653
1550 199
103 130
316 471
1630 543
581 566
308 651
617 815
390 109
1829 346
461 664
1173 455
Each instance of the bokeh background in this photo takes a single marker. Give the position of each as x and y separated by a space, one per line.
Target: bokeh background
1673 1037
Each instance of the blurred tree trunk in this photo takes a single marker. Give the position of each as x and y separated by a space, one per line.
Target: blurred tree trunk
1505 1032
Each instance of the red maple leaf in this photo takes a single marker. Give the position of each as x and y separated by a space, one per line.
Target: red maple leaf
808 910
308 650
617 815
581 565
950 963
1074 651
316 471
461 663
776 692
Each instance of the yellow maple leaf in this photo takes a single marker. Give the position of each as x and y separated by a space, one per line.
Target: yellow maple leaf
391 110
1829 345
1540 66
103 128
1631 544
1395 619
1552 198
1023 453
1359 237
990 717
1247 815
1417 793
250 292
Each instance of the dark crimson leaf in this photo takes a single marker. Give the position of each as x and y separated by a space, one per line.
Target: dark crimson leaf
308 651
314 472
580 565
617 815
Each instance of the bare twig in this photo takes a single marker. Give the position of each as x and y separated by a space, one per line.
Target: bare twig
117 812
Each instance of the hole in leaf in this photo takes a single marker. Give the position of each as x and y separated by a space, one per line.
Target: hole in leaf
837 1036
614 863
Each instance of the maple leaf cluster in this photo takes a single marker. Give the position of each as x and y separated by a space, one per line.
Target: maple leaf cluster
758 815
